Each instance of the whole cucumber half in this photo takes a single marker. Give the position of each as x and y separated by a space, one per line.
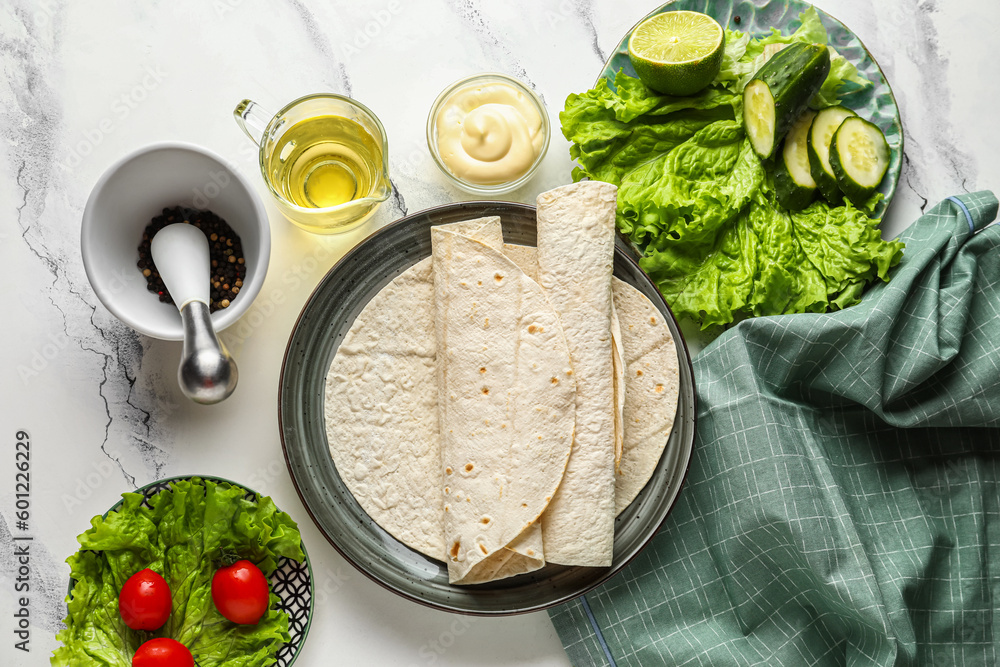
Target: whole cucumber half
780 92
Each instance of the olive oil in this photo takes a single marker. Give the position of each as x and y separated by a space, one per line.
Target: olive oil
325 161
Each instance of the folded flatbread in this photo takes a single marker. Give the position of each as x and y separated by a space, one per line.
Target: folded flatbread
381 406
506 396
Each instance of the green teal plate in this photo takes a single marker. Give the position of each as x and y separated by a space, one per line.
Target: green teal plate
326 318
875 103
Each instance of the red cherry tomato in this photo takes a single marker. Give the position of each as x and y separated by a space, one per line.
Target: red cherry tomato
144 601
240 592
163 652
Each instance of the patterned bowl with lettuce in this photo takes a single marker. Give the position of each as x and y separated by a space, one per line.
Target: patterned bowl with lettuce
261 527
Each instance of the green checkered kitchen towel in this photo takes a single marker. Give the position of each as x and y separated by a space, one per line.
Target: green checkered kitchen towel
843 502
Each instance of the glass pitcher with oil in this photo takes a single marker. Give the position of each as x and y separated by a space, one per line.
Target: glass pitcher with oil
324 158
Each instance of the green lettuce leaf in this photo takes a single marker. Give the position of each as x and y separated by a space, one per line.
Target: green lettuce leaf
843 79
685 208
185 534
690 193
734 66
845 247
699 204
786 282
748 55
611 131
710 286
811 31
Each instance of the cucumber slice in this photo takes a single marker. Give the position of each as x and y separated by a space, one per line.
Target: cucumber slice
758 117
820 135
780 91
793 182
859 156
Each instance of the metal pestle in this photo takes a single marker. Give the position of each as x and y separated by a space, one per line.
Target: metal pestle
207 373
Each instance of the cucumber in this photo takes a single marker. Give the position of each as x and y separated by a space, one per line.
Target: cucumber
859 155
780 91
820 135
793 183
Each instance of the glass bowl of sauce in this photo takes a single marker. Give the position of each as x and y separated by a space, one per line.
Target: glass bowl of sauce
488 133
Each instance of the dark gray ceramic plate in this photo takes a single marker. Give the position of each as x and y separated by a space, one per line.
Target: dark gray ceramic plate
324 321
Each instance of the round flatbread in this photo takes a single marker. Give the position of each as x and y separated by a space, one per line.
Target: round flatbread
382 403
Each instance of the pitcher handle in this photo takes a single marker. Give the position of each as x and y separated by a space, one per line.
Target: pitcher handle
252 120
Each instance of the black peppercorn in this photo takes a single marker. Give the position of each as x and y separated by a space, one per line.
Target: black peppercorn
225 251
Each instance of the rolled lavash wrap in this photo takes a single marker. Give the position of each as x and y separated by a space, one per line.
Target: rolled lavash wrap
576 240
506 405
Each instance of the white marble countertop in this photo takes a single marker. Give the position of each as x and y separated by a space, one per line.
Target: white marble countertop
86 82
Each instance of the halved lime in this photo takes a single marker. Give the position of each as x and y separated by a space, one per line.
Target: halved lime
677 53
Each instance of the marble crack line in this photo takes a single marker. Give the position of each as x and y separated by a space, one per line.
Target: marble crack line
472 15
397 197
107 425
50 263
594 42
321 42
345 80
24 202
53 268
146 414
100 387
909 184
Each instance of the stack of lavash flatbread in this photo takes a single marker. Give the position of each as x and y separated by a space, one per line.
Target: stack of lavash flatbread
496 406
